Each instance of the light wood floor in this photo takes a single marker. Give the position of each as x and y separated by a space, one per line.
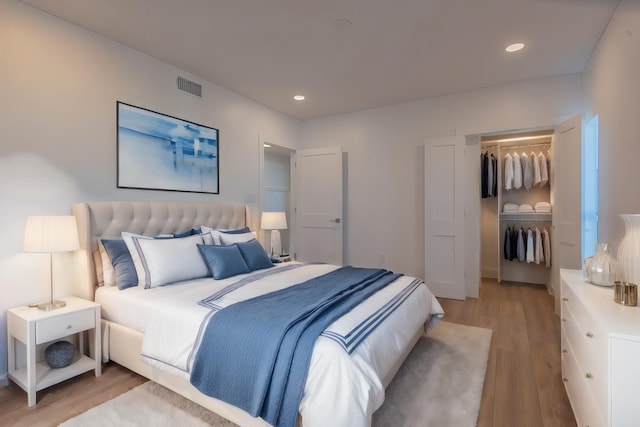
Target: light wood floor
522 388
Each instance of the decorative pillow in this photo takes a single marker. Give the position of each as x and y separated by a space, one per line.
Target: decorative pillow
216 233
188 233
254 255
167 261
125 275
230 239
223 261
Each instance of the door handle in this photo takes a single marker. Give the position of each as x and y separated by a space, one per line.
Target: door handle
336 220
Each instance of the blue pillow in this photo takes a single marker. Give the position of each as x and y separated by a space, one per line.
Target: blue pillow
254 255
223 261
125 271
188 233
238 231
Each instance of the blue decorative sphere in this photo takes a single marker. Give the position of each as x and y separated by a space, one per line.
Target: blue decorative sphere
59 354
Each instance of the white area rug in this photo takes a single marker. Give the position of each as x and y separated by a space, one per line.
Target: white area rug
440 384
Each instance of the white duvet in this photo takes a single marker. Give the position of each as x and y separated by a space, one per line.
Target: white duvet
342 389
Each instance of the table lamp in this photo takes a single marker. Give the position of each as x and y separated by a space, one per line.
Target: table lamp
274 221
49 234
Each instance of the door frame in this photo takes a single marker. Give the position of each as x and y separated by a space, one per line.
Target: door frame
263 236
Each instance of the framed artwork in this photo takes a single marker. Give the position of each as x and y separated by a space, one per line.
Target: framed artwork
160 152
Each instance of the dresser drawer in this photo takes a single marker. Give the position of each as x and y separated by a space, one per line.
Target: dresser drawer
582 400
589 343
64 325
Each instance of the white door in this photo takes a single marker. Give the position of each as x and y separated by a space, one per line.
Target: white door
566 186
319 205
444 216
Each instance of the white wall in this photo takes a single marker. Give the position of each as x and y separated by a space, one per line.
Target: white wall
58 90
384 209
612 90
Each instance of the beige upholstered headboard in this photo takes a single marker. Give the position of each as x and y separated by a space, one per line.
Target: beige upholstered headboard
98 220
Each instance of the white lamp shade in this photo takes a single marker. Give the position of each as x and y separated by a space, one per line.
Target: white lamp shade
50 234
273 221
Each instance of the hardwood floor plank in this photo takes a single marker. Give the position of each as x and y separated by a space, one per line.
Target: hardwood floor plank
516 395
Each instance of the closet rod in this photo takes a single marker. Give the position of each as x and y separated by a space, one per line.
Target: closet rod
515 147
520 221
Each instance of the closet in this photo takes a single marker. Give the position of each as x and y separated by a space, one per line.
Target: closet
516 213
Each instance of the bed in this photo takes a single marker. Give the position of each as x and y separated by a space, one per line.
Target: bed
136 320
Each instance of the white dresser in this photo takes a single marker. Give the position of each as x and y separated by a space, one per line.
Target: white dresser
600 354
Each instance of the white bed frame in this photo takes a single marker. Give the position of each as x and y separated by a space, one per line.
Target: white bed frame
123 345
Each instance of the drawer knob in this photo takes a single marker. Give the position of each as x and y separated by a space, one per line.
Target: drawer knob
589 334
565 299
69 326
589 376
564 350
564 320
566 380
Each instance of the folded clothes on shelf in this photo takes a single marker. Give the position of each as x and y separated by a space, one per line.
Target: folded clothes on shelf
543 207
525 208
510 208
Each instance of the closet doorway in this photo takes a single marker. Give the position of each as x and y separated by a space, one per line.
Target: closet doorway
516 207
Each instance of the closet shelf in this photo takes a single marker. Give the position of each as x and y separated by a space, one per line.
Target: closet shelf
526 216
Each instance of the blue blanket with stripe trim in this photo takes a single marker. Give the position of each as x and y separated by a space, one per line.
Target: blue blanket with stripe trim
255 354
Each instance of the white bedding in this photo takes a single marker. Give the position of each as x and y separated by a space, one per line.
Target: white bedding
171 319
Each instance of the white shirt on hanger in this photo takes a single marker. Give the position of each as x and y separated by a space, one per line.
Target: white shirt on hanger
544 171
527 173
536 169
517 171
508 172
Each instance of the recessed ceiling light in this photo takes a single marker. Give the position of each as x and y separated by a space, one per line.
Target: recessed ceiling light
514 47
341 24
299 97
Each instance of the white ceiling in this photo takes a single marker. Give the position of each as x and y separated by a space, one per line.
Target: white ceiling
393 51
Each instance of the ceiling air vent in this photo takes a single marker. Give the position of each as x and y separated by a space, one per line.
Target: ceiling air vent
190 87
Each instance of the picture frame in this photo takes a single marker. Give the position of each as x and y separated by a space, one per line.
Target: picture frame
160 152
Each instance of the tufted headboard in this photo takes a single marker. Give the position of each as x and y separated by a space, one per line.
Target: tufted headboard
98 220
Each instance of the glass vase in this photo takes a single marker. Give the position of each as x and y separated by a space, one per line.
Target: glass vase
602 268
629 250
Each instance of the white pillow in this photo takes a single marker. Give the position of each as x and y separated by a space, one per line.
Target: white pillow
229 239
149 273
170 260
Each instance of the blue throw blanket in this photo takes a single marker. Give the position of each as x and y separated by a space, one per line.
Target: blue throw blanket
255 354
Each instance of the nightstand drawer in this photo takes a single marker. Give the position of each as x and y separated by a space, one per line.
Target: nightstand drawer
61 326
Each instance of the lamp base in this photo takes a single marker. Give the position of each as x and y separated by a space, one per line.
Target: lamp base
52 305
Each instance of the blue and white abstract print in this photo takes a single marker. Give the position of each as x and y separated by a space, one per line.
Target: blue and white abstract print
161 152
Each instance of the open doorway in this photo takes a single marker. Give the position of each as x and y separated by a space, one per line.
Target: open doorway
277 190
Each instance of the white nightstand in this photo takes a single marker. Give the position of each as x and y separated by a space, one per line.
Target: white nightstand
33 327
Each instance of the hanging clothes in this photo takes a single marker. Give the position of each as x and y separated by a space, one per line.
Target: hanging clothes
538 253
494 162
514 244
530 246
484 166
507 244
536 169
527 172
544 170
517 171
522 249
508 172
490 176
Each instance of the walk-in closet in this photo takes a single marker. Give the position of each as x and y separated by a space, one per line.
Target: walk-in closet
516 207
